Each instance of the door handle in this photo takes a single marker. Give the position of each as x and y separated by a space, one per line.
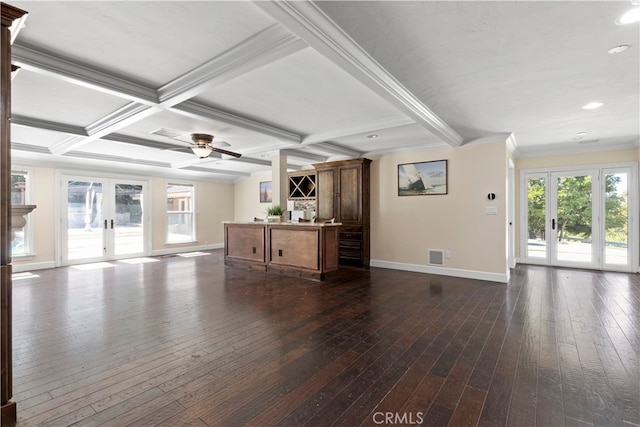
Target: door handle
112 224
553 224
105 224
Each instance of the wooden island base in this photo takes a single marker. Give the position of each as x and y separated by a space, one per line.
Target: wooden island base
307 250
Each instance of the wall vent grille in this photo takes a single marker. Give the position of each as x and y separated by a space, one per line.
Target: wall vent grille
436 257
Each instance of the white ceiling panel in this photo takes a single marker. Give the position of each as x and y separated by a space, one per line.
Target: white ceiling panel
46 98
146 42
487 67
305 93
34 136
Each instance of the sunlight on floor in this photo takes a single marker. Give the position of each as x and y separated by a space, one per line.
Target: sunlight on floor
26 275
192 254
142 260
94 266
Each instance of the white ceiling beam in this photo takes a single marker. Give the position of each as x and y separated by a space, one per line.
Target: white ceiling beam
119 119
44 63
311 24
200 111
267 46
126 139
67 144
301 154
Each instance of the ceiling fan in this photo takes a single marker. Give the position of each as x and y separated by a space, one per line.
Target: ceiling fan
202 146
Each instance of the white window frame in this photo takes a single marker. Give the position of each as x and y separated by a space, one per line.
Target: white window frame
192 212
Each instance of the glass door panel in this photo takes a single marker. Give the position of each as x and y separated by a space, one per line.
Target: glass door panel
536 218
128 221
572 222
84 228
616 224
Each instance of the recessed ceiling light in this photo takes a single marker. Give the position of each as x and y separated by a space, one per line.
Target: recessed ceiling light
618 49
592 105
372 136
630 17
579 135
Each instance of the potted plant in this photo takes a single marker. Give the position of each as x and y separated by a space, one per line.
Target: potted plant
274 213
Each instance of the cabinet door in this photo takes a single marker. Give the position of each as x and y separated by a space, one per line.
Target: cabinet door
245 243
350 194
295 247
325 194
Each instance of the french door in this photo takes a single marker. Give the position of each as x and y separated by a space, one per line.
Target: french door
102 219
581 218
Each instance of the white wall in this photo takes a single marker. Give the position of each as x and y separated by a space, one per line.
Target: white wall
247 198
403 228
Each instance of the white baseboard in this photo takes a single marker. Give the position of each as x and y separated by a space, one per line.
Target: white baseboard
182 249
444 271
21 268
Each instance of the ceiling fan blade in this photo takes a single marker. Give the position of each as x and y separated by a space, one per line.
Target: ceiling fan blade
228 153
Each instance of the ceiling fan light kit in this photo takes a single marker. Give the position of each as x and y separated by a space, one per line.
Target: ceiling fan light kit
203 146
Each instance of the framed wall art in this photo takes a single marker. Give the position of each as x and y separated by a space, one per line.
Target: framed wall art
422 179
266 194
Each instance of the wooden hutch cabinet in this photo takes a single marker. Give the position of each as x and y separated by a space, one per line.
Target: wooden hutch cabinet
342 192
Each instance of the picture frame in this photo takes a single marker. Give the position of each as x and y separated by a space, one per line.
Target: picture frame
266 192
423 178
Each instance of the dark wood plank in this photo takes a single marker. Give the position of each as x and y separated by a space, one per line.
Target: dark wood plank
188 341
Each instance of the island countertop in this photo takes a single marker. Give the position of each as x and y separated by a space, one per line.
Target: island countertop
296 224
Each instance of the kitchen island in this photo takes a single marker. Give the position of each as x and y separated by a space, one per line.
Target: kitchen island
306 249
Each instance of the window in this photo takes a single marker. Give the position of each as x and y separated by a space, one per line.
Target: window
180 223
21 243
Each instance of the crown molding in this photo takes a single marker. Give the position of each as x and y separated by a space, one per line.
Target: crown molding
218 171
574 149
312 25
269 45
31 148
118 159
45 63
200 111
337 149
301 154
358 130
47 125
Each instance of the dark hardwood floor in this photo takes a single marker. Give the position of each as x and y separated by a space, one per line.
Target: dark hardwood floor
188 341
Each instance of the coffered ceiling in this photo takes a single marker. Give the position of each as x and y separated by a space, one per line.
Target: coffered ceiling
122 85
